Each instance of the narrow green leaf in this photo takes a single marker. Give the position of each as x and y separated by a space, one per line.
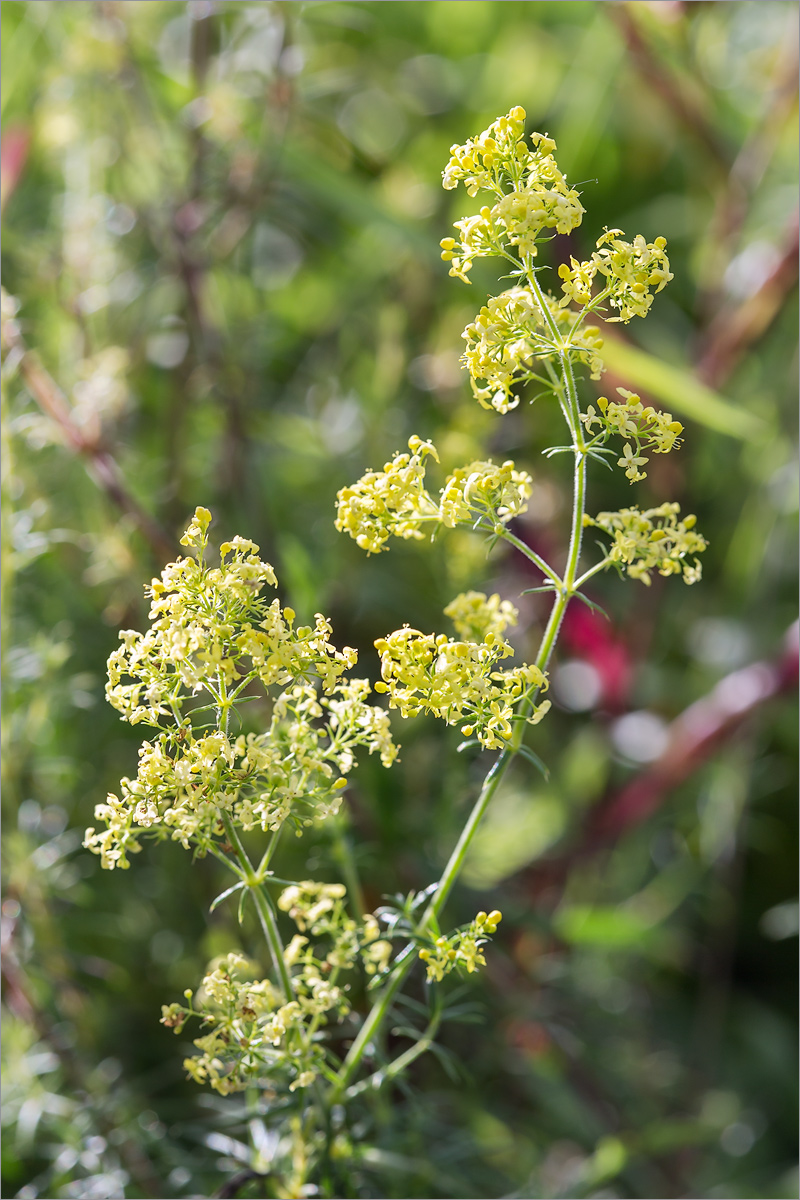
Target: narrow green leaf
462 746
591 604
422 1010
526 752
224 895
447 1061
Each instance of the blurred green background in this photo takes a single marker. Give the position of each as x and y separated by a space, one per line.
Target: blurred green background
221 222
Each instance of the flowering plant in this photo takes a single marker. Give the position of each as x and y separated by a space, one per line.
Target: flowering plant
215 644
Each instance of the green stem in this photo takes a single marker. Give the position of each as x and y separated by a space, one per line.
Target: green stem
567 586
565 590
223 858
456 860
247 680
587 309
403 1060
576 533
232 834
601 566
509 537
542 659
544 308
269 926
572 399
272 845
380 1008
264 907
574 421
451 872
373 1022
558 389
343 851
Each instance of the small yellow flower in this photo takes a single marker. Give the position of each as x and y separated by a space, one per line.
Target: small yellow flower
647 427
211 631
630 270
475 615
655 539
458 681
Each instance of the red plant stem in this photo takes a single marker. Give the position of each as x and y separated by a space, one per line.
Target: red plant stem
694 737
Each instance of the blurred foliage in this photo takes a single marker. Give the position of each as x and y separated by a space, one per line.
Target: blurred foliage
222 224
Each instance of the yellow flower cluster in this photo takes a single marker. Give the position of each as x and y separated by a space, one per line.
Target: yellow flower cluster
391 502
525 215
462 948
494 158
475 614
211 636
652 540
499 493
395 502
319 909
648 428
209 628
258 1033
307 902
478 237
533 194
351 723
533 197
510 332
238 1050
458 681
629 270
292 773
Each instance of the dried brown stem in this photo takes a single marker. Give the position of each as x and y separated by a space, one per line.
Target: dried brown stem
100 462
734 330
734 200
662 81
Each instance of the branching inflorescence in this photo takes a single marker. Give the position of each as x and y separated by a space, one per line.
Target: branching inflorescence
215 644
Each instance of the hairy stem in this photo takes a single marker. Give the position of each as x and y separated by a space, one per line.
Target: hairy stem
572 399
576 533
601 566
531 555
